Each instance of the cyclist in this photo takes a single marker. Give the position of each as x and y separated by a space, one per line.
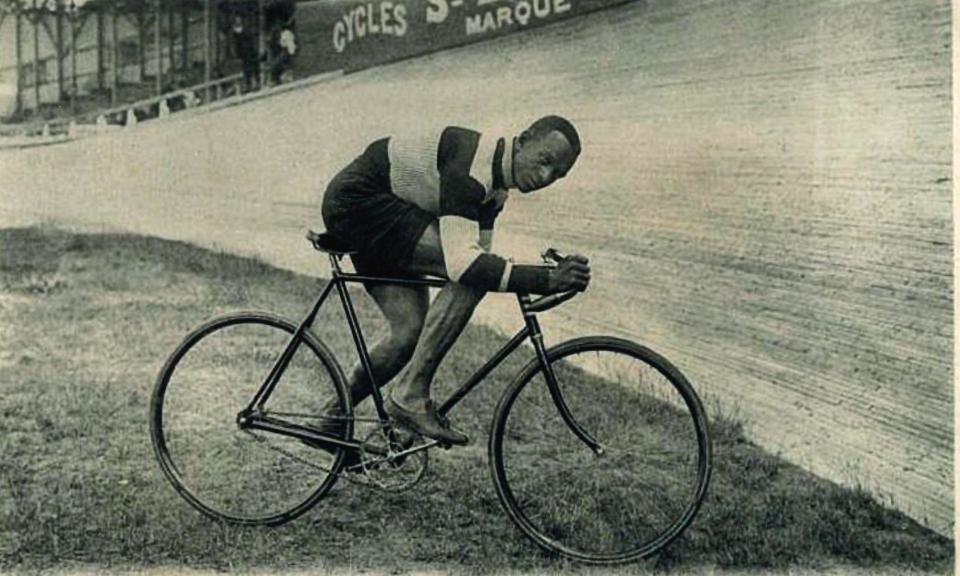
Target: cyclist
427 204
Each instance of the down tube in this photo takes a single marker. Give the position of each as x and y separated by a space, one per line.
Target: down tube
484 370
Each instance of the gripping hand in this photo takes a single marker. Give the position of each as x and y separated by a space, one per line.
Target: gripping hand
571 273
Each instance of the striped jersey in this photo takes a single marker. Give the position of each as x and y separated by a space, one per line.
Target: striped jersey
455 174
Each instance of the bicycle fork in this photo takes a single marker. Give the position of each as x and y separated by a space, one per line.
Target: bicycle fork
536 336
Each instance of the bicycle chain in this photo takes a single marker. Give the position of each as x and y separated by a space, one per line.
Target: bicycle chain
314 465
364 480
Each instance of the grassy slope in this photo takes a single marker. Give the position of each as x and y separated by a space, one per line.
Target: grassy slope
86 322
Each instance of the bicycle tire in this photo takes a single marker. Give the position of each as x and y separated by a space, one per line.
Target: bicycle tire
213 363
646 488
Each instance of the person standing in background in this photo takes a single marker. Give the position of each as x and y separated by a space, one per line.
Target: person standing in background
283 47
245 48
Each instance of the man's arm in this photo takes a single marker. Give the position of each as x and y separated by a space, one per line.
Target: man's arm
467 259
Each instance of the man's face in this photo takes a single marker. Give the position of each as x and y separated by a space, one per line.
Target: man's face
540 160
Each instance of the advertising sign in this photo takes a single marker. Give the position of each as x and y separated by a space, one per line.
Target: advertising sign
354 34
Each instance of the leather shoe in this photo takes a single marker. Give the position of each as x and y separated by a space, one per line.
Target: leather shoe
430 423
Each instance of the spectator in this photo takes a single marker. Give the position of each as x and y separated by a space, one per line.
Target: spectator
245 47
283 46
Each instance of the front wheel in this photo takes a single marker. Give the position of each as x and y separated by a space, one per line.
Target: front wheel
239 474
626 500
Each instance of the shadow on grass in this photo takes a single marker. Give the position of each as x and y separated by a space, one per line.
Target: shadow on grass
94 318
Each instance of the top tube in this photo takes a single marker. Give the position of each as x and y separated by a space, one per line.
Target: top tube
358 278
528 305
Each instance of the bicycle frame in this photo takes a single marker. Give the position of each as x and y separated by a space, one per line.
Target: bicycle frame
254 417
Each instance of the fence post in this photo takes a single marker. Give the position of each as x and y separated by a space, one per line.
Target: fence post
59 41
73 56
206 49
36 57
184 37
261 43
115 52
19 60
156 50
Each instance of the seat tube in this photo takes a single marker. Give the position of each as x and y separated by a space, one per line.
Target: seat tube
361 346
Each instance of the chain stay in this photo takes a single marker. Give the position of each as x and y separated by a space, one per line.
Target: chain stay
362 480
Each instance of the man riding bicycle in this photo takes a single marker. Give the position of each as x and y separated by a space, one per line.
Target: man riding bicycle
428 204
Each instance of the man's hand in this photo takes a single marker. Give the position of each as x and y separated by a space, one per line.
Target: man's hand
573 273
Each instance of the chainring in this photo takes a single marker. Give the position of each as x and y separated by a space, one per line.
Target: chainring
393 460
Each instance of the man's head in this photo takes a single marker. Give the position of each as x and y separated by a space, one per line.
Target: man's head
544 152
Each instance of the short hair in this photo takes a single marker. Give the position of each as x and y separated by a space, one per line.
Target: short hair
548 124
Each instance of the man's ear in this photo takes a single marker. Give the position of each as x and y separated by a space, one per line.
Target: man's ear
524 136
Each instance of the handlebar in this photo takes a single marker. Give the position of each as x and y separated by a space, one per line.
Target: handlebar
547 302
552 258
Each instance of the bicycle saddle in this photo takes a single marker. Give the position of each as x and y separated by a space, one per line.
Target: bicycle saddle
330 244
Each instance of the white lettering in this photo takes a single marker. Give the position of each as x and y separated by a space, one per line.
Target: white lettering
385 9
437 11
473 24
400 15
358 19
522 12
339 43
488 22
370 19
504 16
372 24
348 22
541 8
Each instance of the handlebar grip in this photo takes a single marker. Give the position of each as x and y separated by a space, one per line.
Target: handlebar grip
547 302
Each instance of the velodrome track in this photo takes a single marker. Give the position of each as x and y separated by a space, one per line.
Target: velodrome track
765 194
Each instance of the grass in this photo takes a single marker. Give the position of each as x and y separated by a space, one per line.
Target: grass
87 321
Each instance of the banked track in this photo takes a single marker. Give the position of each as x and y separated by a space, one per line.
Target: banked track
765 194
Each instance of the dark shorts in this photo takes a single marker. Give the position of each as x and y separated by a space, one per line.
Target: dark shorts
364 212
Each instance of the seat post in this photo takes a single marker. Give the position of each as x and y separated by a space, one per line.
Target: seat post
335 264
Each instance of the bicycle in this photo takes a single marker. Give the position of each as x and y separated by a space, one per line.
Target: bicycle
599 448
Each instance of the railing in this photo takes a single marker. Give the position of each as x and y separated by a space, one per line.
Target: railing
133 113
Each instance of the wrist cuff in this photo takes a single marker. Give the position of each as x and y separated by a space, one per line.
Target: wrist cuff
530 279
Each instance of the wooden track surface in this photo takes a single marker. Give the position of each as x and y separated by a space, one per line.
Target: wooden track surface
765 193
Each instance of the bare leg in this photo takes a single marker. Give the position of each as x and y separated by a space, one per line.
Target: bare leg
445 320
404 308
432 335
447 317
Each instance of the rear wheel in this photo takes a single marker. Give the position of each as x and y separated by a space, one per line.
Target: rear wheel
646 486
242 475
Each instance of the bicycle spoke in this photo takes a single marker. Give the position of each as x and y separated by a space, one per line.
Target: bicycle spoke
619 505
232 473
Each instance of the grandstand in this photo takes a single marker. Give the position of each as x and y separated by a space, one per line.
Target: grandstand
117 62
80 60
